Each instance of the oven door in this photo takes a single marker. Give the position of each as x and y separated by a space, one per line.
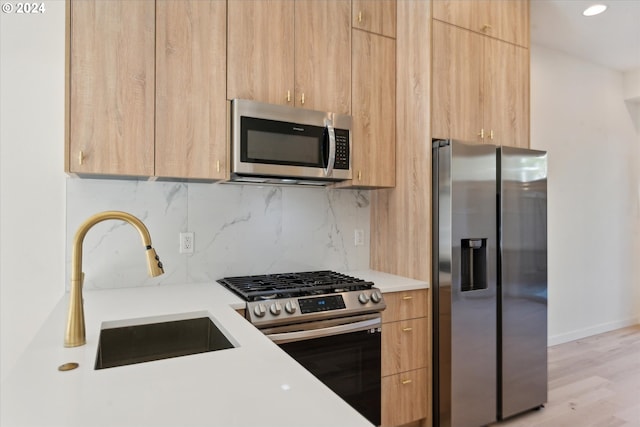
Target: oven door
342 353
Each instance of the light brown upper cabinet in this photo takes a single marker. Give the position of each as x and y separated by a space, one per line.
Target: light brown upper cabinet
375 16
480 88
112 82
146 94
295 53
506 106
191 117
506 20
260 51
374 101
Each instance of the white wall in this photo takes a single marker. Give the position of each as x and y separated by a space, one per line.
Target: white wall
32 183
579 116
632 85
632 95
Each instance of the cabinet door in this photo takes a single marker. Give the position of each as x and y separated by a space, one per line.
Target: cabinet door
405 305
374 100
191 117
457 66
462 13
323 55
260 50
375 16
506 20
404 346
404 397
112 79
507 93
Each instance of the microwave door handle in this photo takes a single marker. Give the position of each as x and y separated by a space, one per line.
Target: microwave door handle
332 147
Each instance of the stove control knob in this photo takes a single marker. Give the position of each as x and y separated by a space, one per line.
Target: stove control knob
290 307
259 310
376 297
275 308
363 298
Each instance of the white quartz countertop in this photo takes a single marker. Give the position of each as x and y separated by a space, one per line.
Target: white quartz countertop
254 384
388 282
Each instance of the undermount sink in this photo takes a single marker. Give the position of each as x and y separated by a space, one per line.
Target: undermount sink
144 340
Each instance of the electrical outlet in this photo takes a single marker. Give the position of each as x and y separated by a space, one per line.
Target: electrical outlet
186 243
358 237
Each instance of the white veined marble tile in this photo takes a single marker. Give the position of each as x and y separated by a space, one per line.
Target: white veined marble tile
238 230
113 254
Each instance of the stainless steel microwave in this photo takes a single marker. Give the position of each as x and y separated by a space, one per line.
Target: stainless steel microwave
285 145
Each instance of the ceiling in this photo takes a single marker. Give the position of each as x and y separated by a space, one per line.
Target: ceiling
611 39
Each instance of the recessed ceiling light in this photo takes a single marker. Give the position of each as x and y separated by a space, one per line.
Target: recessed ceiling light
594 10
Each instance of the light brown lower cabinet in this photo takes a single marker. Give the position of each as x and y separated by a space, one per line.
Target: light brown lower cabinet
404 345
405 359
402 397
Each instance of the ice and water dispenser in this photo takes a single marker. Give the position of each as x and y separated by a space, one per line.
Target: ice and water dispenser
473 264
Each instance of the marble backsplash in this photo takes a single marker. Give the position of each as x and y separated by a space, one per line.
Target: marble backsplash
238 230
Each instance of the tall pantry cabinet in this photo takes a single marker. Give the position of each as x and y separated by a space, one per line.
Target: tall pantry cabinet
400 227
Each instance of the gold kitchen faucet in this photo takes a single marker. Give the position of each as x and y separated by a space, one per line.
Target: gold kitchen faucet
75 332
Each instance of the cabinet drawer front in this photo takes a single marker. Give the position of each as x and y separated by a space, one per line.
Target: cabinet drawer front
404 397
405 305
404 346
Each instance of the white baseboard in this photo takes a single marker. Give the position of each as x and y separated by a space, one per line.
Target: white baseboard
592 330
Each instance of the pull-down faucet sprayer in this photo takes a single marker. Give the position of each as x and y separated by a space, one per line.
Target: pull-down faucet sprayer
75 333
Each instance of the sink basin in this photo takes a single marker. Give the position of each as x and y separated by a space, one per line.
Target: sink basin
145 340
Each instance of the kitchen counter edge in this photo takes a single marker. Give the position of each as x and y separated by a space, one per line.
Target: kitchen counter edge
255 383
389 282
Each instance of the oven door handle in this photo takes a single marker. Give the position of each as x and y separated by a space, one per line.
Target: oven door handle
285 337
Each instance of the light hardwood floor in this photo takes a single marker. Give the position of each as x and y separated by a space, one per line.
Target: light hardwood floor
593 382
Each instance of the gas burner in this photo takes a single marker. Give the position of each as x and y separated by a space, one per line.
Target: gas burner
291 285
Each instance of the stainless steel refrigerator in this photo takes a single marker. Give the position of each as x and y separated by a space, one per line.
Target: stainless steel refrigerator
489 282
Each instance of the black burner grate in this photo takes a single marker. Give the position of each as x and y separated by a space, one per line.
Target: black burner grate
291 285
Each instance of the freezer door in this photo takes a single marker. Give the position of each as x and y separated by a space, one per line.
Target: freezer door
523 264
465 284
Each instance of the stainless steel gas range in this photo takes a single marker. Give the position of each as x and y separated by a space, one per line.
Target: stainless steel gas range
329 322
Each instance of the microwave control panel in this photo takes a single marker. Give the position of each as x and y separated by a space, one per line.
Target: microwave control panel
342 149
